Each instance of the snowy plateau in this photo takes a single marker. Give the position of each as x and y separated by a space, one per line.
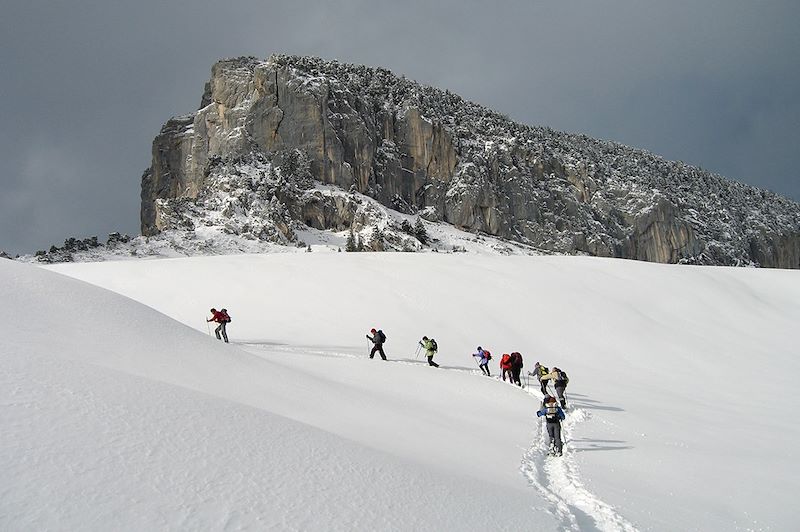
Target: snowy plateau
120 411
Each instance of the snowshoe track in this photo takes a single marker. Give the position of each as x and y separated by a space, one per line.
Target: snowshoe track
558 479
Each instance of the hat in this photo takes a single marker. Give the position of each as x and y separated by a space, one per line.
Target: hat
372 330
479 348
424 337
549 399
213 310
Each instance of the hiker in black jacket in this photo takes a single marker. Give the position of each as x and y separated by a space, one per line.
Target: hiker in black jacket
516 367
377 338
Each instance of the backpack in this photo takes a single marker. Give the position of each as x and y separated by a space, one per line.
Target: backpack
516 359
487 354
383 336
552 412
543 371
225 316
562 377
434 345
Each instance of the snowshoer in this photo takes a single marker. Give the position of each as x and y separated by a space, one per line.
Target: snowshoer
559 379
516 367
553 415
505 367
222 319
483 356
539 371
431 348
378 339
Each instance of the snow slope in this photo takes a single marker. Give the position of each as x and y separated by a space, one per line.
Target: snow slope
683 409
117 418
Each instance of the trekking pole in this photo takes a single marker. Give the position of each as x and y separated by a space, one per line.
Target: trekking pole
208 327
419 347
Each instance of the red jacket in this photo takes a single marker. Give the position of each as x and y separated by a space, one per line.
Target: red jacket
218 317
505 361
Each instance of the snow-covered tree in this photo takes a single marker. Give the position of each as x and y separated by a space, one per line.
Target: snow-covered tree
376 239
420 232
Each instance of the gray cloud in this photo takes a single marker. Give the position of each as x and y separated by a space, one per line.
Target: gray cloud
87 84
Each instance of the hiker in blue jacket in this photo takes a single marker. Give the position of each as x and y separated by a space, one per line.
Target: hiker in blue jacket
483 357
553 415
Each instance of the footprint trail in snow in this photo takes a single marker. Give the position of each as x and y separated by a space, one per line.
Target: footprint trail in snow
558 480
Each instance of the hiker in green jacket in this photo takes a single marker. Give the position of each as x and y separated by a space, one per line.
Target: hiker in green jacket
430 347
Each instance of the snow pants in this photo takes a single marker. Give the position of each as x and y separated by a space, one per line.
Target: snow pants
221 329
508 371
543 384
560 395
554 431
515 371
379 349
431 362
485 368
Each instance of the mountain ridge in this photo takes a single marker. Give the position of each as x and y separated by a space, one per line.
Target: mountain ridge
416 148
269 131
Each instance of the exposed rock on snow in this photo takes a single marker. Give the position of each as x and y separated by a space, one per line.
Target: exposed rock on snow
418 149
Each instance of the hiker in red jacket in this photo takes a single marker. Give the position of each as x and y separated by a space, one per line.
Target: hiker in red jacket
222 318
505 367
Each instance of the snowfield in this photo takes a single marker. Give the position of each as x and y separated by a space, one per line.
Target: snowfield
122 413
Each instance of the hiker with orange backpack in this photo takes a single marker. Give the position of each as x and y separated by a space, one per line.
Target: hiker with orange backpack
483 356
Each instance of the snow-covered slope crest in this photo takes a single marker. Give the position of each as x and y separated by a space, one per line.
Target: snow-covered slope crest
683 401
114 416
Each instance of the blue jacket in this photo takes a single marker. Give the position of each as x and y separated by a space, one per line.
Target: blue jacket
559 413
481 354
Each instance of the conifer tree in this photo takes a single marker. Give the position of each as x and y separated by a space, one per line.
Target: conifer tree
351 242
376 239
420 232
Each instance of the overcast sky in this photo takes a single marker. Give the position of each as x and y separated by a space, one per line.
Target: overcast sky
86 85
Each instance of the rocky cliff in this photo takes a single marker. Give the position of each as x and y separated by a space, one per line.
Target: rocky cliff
419 149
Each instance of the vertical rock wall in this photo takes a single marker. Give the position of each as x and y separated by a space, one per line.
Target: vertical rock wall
389 149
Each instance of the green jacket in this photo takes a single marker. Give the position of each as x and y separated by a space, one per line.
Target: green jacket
428 346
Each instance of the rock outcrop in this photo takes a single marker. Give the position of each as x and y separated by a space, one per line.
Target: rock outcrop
422 150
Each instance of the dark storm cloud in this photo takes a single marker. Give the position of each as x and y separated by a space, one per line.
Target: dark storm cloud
86 85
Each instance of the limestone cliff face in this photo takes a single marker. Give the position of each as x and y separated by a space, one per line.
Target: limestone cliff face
265 106
419 149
